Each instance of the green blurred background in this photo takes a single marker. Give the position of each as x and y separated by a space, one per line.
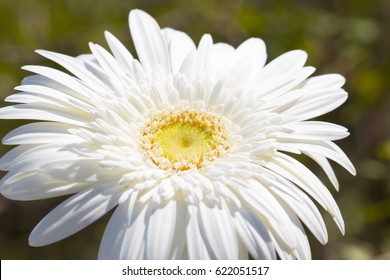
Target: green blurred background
347 37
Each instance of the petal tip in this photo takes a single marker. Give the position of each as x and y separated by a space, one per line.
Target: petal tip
33 241
137 14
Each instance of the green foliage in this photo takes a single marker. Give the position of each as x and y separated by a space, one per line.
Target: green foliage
346 37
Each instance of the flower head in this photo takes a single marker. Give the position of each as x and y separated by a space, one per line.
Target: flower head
193 144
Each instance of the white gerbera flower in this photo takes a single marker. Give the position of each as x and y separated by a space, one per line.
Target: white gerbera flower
191 143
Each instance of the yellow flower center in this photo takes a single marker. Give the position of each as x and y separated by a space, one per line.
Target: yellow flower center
184 139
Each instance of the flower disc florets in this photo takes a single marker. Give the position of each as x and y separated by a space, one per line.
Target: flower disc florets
182 139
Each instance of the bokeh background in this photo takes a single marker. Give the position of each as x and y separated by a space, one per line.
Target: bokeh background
349 37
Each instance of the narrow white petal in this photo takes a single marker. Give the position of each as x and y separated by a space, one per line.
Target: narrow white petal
40 133
160 226
122 55
252 50
315 130
112 241
149 42
87 58
9 157
325 165
216 94
179 46
52 100
45 94
133 243
242 251
179 234
42 112
301 205
23 158
78 68
324 148
75 214
302 250
286 63
300 175
328 81
221 55
316 103
53 78
196 243
254 235
284 251
203 55
47 156
34 185
268 207
276 93
108 63
216 223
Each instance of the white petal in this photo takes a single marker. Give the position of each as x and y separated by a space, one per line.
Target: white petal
221 55
9 157
254 235
42 112
300 175
124 234
41 132
301 205
324 148
108 63
50 95
286 63
242 251
302 250
216 223
179 45
272 213
325 165
149 42
276 93
33 185
328 82
79 69
196 243
31 158
284 251
203 56
216 94
252 50
315 103
179 234
316 130
87 58
122 55
160 221
75 214
53 78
